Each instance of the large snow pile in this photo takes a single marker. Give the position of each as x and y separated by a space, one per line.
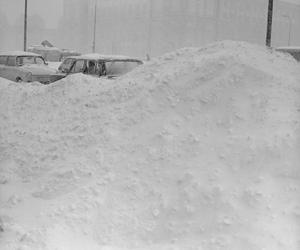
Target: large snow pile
198 149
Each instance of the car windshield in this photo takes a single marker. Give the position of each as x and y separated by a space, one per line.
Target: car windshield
120 67
25 60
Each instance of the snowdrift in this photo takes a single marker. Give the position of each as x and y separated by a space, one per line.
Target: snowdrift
197 149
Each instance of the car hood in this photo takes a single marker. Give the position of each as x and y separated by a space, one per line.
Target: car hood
39 70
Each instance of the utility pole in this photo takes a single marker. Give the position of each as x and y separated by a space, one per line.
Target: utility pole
25 26
269 23
95 24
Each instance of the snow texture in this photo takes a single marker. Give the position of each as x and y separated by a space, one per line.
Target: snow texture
197 149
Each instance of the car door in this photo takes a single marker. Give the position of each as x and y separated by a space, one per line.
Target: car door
3 66
8 70
11 71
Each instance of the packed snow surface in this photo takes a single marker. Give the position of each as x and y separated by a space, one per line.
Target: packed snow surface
197 149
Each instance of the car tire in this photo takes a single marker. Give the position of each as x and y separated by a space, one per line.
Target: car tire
19 79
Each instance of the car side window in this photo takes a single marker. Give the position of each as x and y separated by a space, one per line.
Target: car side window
39 60
78 67
66 65
11 61
101 68
3 60
91 68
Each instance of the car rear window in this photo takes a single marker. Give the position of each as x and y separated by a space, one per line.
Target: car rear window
3 60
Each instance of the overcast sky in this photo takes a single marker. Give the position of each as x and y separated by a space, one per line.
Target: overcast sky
50 10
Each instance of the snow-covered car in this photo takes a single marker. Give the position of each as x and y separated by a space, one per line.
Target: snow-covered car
52 54
99 65
293 51
23 66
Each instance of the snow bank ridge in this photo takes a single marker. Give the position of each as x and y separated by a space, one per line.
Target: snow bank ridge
197 149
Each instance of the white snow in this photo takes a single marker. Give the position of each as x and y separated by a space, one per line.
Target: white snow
197 149
18 53
96 56
289 48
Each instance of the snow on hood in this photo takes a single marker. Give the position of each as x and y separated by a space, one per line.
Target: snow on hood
197 149
39 69
4 82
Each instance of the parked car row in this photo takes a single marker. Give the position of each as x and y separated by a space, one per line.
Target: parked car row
22 66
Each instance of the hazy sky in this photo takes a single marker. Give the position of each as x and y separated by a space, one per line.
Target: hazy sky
50 10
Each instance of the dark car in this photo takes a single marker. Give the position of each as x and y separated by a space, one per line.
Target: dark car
293 51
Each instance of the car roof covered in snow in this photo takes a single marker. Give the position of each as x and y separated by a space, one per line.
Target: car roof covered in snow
95 56
18 53
290 48
41 47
